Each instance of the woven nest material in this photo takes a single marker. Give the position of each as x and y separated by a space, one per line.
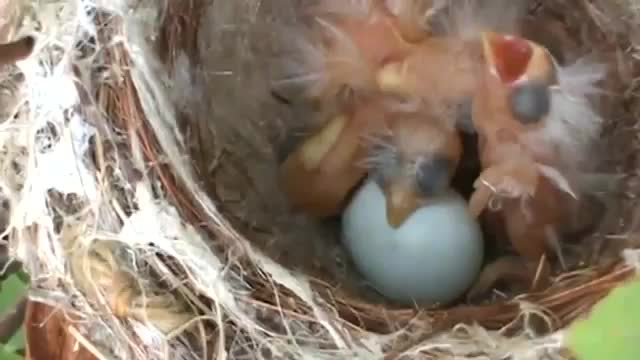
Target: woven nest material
139 161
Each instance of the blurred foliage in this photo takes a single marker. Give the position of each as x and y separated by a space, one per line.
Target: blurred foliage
12 290
8 355
612 329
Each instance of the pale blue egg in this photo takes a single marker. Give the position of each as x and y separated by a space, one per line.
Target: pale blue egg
433 257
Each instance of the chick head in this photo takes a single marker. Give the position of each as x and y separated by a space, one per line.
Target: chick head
414 162
516 90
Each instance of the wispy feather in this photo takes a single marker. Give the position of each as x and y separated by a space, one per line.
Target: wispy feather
573 124
468 18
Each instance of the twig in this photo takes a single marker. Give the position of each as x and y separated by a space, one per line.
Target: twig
82 340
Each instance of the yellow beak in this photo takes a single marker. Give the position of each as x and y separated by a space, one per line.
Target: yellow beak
402 200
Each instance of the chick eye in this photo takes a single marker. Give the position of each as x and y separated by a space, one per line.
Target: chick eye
530 102
432 176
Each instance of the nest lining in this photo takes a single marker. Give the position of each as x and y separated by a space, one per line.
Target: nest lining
159 258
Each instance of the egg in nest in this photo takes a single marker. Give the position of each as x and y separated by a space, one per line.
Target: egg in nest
410 235
432 257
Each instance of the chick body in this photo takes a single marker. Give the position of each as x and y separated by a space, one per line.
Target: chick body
515 113
409 234
433 257
356 42
440 70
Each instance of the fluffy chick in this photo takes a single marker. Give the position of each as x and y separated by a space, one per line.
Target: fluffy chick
535 125
347 41
446 67
412 153
414 162
439 71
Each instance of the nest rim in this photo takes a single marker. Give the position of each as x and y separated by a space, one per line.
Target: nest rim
570 297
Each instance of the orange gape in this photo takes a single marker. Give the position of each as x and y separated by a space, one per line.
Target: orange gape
377 55
535 212
16 50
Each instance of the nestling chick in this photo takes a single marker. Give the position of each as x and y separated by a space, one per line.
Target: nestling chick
415 162
445 67
397 21
408 232
534 125
414 156
348 41
439 70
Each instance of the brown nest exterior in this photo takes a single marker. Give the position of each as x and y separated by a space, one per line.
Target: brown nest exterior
218 59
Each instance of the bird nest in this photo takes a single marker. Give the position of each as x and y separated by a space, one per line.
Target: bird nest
140 158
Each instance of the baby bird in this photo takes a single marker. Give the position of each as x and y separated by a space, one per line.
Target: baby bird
444 68
415 156
16 50
413 162
535 125
440 71
408 233
371 49
348 41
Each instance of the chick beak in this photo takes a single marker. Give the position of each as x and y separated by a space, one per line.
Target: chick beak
507 56
402 200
